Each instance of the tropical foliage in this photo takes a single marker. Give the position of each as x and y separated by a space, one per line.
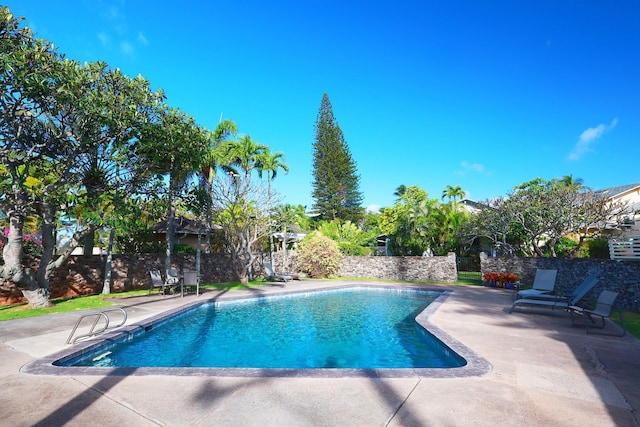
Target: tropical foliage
86 150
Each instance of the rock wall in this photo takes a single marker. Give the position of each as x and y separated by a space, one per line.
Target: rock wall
83 275
439 268
619 276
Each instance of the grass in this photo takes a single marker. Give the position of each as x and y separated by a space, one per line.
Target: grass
631 322
64 305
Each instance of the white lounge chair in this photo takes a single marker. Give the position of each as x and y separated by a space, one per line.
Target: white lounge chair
543 283
603 309
271 275
557 301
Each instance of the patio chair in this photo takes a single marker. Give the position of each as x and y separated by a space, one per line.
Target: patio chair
173 280
156 281
543 283
273 276
556 301
603 309
190 279
568 297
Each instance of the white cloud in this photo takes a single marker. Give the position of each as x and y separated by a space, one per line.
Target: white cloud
373 208
104 38
473 167
126 48
589 137
142 39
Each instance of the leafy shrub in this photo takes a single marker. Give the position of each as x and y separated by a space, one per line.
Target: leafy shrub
598 248
183 248
352 249
319 256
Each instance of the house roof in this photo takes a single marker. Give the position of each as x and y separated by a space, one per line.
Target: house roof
183 226
472 206
617 191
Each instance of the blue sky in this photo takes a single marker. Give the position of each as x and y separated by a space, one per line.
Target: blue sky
485 95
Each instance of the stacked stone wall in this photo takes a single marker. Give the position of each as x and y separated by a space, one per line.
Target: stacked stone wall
620 276
439 268
85 275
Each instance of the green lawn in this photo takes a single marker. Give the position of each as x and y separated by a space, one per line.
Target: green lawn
631 321
62 305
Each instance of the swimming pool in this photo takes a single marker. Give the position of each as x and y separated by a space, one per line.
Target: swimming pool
70 360
357 328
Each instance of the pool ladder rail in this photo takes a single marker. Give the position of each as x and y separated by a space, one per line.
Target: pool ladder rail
97 316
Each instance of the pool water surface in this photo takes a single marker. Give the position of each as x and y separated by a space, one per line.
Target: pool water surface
359 328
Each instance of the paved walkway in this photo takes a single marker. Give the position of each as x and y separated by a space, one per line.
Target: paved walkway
543 373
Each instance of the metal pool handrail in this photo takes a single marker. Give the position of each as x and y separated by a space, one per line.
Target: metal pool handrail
98 316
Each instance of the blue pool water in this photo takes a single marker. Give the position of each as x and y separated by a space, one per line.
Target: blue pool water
360 328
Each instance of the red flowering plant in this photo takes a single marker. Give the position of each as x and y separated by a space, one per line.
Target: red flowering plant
501 279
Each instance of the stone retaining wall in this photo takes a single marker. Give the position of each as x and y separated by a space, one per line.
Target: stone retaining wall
439 268
85 275
619 276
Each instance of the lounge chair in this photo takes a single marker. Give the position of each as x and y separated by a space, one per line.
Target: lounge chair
156 280
543 283
273 276
586 283
557 301
603 309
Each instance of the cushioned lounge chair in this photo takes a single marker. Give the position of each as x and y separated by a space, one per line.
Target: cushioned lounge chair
273 276
543 283
556 301
603 309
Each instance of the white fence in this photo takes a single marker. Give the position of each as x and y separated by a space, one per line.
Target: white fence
627 249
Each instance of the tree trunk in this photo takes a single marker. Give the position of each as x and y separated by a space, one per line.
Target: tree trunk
170 227
38 298
108 269
13 269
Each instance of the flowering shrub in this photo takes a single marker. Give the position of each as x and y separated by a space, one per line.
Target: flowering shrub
501 279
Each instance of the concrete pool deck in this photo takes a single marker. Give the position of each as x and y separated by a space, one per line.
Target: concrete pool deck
543 372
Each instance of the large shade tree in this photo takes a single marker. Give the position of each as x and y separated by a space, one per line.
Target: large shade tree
537 213
179 145
70 147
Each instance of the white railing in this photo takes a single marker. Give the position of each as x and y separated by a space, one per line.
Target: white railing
627 248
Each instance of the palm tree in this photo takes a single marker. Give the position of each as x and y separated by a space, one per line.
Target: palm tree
453 193
270 163
400 192
569 181
243 154
224 130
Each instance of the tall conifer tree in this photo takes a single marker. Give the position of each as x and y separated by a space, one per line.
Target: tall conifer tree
335 180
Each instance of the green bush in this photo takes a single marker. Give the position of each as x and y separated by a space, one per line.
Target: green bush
598 248
183 248
352 249
319 256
